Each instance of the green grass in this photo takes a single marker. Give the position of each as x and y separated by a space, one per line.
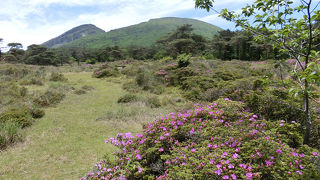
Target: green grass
69 139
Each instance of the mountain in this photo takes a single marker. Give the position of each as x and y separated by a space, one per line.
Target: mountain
143 34
73 34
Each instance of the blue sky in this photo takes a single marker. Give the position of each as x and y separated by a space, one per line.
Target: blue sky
36 21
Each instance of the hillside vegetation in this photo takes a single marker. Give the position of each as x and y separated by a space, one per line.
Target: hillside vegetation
144 34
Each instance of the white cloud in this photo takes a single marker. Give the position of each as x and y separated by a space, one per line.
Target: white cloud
25 21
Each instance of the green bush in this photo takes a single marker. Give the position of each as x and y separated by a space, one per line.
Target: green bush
180 74
105 73
201 82
127 98
49 97
183 60
31 81
57 77
153 102
215 141
18 115
37 112
273 107
79 91
90 61
9 133
227 75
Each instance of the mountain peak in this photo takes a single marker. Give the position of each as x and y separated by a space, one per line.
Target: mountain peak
73 34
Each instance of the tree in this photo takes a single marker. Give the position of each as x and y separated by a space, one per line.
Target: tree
288 26
15 46
40 55
182 40
15 49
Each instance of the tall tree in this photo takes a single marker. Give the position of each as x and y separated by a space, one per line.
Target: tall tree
288 26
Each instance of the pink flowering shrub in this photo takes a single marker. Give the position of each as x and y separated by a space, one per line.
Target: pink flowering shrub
215 141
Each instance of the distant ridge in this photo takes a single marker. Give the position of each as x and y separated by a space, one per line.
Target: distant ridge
143 34
73 34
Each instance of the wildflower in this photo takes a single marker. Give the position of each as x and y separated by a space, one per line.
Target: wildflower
192 131
225 177
259 154
299 172
227 99
209 146
235 156
160 149
230 166
278 151
139 135
314 153
269 163
139 169
219 171
249 176
193 150
138 156
233 176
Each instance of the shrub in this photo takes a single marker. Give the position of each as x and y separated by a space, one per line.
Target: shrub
31 81
272 107
79 91
227 75
208 143
153 102
127 98
57 77
37 112
17 115
201 82
50 97
106 73
9 133
179 75
183 60
90 61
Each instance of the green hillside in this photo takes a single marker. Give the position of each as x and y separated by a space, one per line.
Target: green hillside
143 34
73 34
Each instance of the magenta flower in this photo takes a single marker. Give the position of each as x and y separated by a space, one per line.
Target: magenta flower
233 176
249 176
230 166
138 156
315 153
139 169
139 135
225 177
219 171
278 151
191 131
193 150
227 99
160 149
235 156
299 172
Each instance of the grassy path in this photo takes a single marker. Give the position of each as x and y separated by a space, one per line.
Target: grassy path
68 140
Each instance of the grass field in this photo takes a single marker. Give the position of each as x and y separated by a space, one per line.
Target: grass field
69 139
